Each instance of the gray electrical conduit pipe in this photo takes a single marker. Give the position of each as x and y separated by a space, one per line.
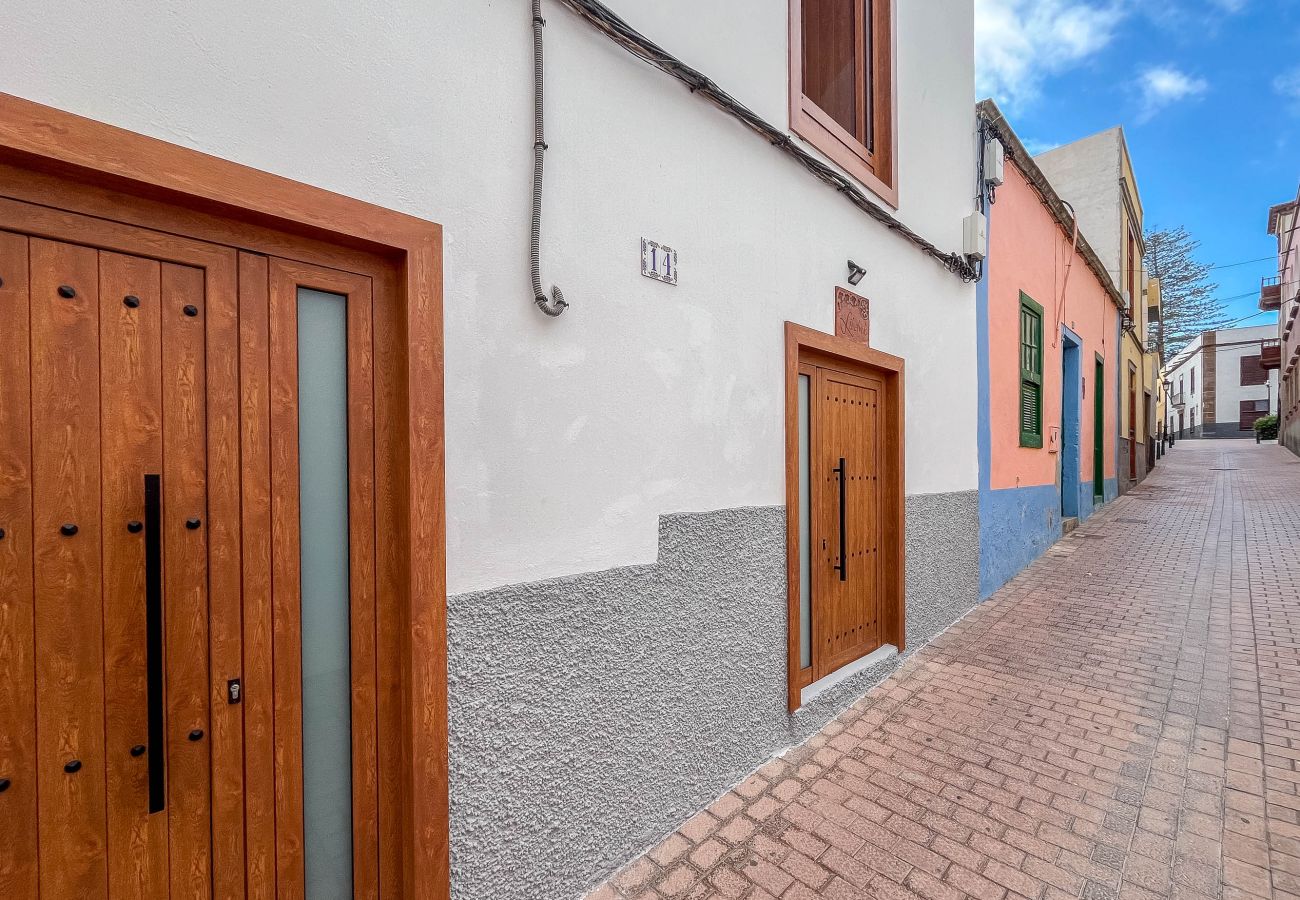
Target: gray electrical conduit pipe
557 304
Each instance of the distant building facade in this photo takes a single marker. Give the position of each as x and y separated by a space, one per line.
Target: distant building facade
1095 175
1049 336
1282 293
1219 386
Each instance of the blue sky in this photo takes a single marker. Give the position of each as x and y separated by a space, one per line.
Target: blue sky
1208 92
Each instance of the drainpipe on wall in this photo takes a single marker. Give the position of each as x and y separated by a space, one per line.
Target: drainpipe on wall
557 304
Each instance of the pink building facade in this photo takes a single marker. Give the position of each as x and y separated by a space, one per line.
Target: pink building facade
1049 339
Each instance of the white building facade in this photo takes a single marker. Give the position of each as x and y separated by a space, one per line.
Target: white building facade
1218 386
619 609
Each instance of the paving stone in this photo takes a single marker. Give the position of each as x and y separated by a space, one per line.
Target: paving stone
1120 722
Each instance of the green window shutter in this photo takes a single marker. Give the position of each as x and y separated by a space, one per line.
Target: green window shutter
1031 373
1031 414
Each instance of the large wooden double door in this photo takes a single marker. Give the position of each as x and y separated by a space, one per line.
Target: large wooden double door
187 503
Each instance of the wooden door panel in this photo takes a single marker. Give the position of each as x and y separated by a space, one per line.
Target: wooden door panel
66 538
18 766
255 481
185 570
362 588
286 590
846 427
130 319
220 315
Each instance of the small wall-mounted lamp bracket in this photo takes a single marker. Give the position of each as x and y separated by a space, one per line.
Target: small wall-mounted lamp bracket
856 272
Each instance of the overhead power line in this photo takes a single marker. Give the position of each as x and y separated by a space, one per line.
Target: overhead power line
1245 262
1262 312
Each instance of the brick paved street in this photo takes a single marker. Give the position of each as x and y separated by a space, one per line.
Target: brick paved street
1121 720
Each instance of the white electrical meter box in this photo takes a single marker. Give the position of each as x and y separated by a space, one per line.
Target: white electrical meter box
995 162
975 235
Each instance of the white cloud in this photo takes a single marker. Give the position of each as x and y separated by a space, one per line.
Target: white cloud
1191 19
1288 85
1163 85
1018 43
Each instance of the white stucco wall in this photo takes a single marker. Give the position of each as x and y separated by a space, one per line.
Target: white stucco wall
566 439
1233 345
1086 173
1180 371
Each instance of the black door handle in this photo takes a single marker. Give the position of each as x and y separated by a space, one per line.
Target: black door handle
843 567
153 612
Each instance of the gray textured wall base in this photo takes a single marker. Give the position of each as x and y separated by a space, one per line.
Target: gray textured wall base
1225 430
591 715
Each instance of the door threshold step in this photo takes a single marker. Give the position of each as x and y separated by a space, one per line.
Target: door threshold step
839 676
1068 524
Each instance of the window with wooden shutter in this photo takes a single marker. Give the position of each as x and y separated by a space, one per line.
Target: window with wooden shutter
842 86
1249 411
1252 372
1031 373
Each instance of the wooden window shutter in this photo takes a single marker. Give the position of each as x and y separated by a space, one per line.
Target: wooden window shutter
1252 371
1031 412
1249 411
842 86
1031 373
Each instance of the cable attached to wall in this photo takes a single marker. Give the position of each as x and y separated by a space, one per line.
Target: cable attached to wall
1069 267
556 305
609 23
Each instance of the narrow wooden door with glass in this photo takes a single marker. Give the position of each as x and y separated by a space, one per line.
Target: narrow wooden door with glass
1132 425
842 464
189 650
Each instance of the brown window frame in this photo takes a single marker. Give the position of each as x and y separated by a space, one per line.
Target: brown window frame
876 168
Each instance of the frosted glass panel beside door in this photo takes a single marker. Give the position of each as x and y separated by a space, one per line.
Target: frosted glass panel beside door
805 526
326 623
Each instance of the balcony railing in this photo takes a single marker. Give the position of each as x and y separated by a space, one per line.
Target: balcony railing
1270 293
1270 354
1177 398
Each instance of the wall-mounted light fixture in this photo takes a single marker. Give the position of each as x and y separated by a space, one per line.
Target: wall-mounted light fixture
856 272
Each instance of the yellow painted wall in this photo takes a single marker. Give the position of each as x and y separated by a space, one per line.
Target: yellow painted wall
1153 363
1133 346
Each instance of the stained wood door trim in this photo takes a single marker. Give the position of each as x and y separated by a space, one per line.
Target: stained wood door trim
62 163
285 280
18 754
804 346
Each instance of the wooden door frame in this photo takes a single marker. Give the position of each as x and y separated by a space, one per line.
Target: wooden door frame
807 345
1099 428
64 162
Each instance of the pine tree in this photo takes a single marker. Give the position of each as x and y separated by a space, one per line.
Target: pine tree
1188 307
